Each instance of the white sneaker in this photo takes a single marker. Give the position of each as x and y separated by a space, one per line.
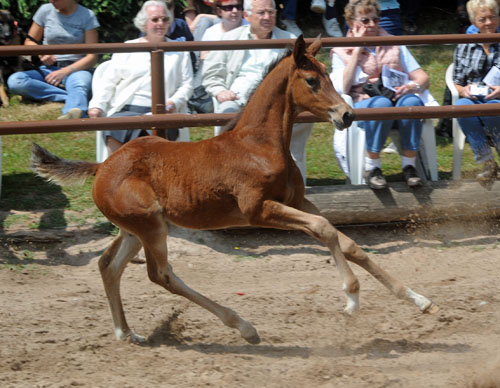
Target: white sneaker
390 149
332 27
318 6
73 113
292 27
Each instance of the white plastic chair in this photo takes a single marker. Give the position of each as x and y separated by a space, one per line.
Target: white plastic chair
458 135
355 150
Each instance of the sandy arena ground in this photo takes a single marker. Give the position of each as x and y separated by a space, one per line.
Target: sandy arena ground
57 332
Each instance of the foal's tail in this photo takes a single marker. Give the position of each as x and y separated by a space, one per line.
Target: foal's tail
60 170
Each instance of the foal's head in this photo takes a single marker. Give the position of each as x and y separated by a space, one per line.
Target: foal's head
312 88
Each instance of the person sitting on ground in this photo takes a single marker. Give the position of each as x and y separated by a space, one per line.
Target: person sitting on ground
471 63
354 70
232 75
125 88
61 77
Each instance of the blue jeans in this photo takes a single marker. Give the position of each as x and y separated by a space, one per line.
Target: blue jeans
31 84
289 10
476 129
377 131
390 20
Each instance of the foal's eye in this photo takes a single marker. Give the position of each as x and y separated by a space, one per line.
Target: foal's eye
312 82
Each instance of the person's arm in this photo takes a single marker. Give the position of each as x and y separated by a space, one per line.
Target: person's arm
184 86
214 73
36 32
419 80
108 82
89 60
350 69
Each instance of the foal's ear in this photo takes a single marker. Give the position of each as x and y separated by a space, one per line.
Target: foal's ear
299 50
315 46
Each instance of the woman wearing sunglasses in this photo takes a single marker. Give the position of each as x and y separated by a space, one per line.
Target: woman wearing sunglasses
355 69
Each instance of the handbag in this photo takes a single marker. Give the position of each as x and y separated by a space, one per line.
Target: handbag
378 89
201 101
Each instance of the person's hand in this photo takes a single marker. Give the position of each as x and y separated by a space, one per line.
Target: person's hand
95 112
495 93
358 30
466 92
170 107
227 95
56 77
48 60
404 89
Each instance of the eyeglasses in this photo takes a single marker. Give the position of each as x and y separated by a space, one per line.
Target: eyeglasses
162 19
230 7
262 13
367 21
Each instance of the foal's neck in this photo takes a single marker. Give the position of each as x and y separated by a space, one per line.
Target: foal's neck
270 111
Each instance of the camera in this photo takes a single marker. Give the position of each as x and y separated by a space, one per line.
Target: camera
479 90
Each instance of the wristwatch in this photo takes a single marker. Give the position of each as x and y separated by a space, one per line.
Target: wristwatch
418 88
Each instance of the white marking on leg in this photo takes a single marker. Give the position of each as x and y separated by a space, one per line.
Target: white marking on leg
352 303
424 304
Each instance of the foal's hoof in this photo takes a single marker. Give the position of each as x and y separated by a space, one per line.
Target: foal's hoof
432 309
254 340
136 339
249 333
352 304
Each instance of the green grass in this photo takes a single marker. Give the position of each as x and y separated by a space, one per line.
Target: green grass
59 206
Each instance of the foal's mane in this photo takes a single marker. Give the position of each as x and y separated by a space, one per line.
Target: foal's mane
232 123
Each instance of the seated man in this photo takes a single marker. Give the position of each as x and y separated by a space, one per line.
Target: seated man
232 75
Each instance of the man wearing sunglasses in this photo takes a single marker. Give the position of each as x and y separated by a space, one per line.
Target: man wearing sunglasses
230 13
231 76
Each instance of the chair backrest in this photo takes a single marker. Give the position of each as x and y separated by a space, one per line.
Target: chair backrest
450 84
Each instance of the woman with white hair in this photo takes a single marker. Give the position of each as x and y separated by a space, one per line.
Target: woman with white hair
472 62
125 88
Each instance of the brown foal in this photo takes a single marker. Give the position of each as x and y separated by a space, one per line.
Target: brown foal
244 177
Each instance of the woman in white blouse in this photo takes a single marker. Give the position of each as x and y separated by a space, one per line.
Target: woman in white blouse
125 85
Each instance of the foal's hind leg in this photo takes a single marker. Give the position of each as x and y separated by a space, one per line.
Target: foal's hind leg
356 255
111 264
160 272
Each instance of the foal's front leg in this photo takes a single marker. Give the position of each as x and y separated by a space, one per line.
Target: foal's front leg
277 215
356 255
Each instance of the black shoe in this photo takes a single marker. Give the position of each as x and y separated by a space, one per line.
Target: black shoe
489 173
375 179
411 177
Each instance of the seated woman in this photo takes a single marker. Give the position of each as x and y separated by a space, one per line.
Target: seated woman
354 68
125 89
60 22
471 63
